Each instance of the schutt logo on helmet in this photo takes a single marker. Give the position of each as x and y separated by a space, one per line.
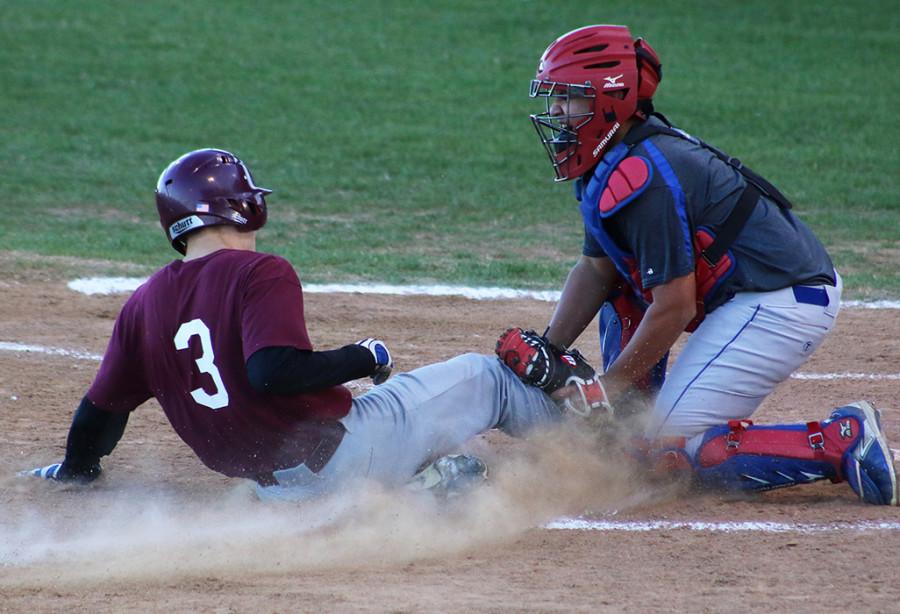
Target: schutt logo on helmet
179 228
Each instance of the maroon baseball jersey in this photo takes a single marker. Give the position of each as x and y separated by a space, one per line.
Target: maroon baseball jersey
184 338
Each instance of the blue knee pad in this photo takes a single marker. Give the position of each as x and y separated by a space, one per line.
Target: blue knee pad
611 331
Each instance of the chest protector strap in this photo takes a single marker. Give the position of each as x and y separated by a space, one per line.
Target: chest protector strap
756 186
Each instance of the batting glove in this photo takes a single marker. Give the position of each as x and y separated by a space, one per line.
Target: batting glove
59 472
384 364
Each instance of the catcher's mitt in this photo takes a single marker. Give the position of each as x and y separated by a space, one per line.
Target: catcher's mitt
540 363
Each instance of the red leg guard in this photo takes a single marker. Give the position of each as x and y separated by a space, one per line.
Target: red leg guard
742 456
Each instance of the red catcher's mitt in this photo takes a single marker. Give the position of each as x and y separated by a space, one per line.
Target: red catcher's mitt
540 363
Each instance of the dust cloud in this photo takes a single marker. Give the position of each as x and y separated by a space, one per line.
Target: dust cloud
136 533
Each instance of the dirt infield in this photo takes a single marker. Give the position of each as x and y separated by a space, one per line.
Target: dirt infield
160 532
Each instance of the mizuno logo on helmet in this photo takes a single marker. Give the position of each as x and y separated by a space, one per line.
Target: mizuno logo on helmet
182 226
613 81
606 139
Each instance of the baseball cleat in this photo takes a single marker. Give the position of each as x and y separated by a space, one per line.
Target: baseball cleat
868 466
450 476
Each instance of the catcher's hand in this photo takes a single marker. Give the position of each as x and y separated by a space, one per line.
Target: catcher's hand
540 363
60 472
384 364
584 397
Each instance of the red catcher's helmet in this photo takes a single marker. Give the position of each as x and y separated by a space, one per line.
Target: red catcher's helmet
615 73
208 187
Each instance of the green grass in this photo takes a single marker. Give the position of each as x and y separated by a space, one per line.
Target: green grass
396 133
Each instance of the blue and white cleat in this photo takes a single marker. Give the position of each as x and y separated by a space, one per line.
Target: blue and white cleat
869 466
50 472
450 476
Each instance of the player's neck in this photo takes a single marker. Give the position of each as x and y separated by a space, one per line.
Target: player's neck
209 240
627 125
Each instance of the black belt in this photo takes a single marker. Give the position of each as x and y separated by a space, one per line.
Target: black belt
266 479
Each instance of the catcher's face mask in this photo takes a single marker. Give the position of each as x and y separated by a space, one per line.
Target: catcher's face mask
569 107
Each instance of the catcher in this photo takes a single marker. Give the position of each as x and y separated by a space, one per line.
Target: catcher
679 236
219 339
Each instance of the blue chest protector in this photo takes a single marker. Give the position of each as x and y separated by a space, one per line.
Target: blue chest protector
621 313
619 178
593 216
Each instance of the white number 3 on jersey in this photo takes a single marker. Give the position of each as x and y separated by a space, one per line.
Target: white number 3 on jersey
204 363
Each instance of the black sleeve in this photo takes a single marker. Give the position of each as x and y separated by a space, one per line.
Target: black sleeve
94 433
287 370
591 248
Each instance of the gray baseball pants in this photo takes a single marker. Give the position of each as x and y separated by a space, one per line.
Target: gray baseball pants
416 417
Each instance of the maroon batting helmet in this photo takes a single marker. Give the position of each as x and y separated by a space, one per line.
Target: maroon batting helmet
617 74
208 187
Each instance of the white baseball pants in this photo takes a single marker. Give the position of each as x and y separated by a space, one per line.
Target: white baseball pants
737 356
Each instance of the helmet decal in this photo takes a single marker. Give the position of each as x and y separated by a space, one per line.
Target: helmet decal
613 81
605 140
182 226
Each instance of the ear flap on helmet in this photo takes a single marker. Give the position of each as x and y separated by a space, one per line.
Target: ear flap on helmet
649 69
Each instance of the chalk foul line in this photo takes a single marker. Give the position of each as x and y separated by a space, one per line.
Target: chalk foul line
12 346
845 375
642 526
117 285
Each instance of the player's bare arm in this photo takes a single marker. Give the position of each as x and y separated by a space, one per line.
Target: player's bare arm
586 288
674 306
